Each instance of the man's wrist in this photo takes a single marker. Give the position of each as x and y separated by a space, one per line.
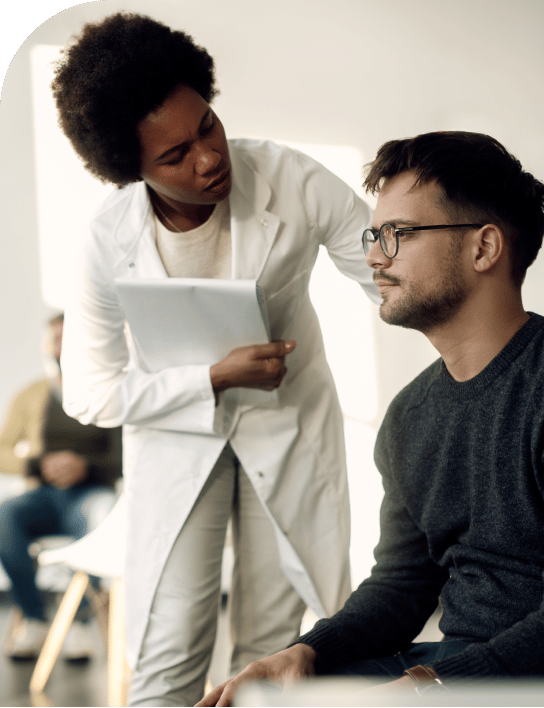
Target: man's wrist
306 654
424 678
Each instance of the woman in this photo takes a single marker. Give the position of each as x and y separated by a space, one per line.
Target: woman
133 97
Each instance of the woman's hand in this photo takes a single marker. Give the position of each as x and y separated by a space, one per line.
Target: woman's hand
257 366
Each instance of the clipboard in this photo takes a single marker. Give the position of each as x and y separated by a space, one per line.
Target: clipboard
183 321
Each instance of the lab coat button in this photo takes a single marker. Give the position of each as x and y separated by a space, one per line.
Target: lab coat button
264 222
261 474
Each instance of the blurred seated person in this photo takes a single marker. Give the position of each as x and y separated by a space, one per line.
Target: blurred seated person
71 470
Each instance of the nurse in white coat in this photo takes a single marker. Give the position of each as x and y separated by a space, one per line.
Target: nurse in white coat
133 97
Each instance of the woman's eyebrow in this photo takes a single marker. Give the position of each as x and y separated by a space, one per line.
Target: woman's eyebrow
184 144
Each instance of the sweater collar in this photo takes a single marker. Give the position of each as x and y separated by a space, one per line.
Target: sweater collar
467 389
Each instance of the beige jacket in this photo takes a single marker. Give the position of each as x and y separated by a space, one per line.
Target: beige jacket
20 436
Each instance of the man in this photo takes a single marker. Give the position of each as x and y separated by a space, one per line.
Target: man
73 468
460 450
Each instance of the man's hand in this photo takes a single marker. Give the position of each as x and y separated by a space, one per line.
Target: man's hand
257 366
286 666
63 469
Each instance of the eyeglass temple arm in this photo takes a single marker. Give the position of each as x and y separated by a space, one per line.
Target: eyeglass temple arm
442 226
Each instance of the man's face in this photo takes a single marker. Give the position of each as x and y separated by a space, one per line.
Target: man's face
184 151
425 285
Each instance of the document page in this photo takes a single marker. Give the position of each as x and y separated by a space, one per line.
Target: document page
178 321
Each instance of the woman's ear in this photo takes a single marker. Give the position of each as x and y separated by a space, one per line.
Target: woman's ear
489 247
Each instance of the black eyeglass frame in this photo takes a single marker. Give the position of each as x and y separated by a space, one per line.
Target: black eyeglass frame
381 237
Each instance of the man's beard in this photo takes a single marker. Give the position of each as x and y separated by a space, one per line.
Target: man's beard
425 312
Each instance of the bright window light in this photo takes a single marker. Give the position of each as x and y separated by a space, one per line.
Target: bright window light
67 195
344 310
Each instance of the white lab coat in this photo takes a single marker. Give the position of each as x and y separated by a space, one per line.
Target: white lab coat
283 206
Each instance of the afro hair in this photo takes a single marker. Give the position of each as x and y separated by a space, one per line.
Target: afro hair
114 74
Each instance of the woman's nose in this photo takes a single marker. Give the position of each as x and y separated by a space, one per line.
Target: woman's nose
207 160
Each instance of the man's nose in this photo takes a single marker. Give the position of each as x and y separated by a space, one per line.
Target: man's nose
376 258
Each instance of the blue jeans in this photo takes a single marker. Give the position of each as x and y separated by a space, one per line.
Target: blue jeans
393 667
44 511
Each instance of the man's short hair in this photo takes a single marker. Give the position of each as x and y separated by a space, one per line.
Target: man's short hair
116 72
481 183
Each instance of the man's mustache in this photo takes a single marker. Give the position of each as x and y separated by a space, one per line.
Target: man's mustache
380 275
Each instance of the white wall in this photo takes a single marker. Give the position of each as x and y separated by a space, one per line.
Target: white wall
348 72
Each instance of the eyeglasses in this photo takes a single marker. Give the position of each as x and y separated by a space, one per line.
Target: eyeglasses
388 235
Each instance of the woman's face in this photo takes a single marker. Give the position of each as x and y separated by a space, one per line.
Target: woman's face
184 151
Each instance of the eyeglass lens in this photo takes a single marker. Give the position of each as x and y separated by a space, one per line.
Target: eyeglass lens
387 238
368 239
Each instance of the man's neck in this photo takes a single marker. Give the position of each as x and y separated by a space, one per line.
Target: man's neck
476 335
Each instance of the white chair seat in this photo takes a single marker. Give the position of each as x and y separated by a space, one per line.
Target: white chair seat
100 552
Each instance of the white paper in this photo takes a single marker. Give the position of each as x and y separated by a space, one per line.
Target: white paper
180 321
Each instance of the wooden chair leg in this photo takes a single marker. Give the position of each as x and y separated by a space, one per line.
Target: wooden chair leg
118 671
99 601
40 700
58 631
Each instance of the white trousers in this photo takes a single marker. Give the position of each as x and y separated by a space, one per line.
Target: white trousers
265 610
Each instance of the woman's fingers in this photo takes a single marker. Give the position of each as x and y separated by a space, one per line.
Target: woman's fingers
255 366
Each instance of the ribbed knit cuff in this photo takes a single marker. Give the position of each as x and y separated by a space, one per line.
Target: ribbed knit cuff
328 645
476 661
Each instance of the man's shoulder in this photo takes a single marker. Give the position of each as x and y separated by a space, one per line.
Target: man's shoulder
411 398
520 367
535 339
528 366
416 392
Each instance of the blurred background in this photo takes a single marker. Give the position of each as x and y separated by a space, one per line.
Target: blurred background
336 79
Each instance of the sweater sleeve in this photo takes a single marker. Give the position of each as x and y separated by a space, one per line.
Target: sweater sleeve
389 609
518 651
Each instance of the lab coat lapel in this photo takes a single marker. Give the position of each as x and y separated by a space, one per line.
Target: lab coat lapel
141 259
253 228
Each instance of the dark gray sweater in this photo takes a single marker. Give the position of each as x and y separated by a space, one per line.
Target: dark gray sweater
462 518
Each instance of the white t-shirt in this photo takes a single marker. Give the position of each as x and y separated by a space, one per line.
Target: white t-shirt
204 252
